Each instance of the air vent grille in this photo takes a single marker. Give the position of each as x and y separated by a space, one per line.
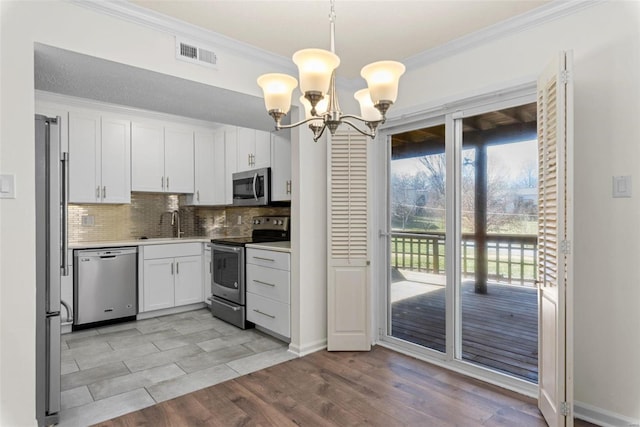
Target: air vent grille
192 52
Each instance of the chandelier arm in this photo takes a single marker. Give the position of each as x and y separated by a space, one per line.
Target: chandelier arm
370 135
301 122
353 116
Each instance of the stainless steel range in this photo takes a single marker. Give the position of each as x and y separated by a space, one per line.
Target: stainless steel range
228 267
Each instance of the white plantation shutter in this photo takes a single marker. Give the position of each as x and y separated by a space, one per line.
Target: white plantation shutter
348 220
555 142
348 309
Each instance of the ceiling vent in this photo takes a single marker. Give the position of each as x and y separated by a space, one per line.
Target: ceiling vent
192 52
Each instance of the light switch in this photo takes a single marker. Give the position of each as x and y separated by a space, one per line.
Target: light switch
622 186
7 186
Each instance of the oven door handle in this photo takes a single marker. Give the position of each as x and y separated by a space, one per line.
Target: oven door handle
255 180
232 307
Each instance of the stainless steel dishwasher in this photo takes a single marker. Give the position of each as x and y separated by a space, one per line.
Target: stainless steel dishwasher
105 284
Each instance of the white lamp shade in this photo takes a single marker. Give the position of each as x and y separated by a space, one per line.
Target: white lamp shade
382 79
321 108
315 67
277 89
367 110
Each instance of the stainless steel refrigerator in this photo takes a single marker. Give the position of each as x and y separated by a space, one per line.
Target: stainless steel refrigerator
51 254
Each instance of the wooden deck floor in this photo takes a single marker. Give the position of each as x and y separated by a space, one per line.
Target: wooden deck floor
499 329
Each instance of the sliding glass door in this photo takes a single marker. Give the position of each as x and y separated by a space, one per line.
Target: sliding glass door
462 210
417 297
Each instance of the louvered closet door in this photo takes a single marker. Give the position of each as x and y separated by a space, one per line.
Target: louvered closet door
555 129
348 266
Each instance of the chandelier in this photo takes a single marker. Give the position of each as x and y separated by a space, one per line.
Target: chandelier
316 69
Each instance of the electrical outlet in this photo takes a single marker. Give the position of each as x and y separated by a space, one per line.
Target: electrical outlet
239 219
88 220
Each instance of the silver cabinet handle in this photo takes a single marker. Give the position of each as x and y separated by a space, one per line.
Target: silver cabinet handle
162 182
104 192
167 183
198 195
288 187
172 269
264 259
264 314
248 159
177 268
264 283
98 192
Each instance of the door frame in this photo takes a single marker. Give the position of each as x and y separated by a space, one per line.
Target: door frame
449 113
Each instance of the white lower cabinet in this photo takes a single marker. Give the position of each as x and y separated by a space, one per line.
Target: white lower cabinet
269 290
171 276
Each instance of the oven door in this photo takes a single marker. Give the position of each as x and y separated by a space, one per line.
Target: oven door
227 278
251 188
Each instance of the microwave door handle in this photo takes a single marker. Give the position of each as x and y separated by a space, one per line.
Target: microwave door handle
255 180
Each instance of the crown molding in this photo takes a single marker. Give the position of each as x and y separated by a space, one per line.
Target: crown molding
550 11
142 16
157 21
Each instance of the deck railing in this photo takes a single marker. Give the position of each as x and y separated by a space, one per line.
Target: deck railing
511 258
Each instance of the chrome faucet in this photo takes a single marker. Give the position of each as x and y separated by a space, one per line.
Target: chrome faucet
175 221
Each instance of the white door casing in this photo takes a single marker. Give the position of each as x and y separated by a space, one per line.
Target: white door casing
348 302
555 162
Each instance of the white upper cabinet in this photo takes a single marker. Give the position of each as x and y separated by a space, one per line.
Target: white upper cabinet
230 161
161 158
219 169
116 160
204 168
147 157
178 160
254 149
280 167
99 158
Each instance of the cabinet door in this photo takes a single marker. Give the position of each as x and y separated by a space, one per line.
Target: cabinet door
262 150
280 167
219 169
246 149
116 160
204 168
178 160
188 280
84 157
230 152
147 157
158 284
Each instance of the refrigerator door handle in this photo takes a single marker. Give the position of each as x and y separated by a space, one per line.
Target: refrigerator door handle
63 214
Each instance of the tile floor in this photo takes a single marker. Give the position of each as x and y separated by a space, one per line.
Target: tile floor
113 370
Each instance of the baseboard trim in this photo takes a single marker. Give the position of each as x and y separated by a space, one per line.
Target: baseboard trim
602 417
309 348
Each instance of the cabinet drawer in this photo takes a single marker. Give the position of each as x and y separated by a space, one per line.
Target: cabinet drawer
172 250
268 282
273 259
269 314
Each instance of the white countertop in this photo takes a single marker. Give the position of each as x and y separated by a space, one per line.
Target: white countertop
272 246
138 242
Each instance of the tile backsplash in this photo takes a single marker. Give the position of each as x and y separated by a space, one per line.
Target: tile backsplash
149 215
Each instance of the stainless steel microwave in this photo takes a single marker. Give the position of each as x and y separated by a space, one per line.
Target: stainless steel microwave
252 188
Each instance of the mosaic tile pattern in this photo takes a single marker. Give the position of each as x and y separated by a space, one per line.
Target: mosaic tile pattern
149 214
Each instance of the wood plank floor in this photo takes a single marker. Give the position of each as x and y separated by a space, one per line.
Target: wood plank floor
378 388
499 329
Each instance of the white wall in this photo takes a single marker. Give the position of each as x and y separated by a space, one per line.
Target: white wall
69 26
605 39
